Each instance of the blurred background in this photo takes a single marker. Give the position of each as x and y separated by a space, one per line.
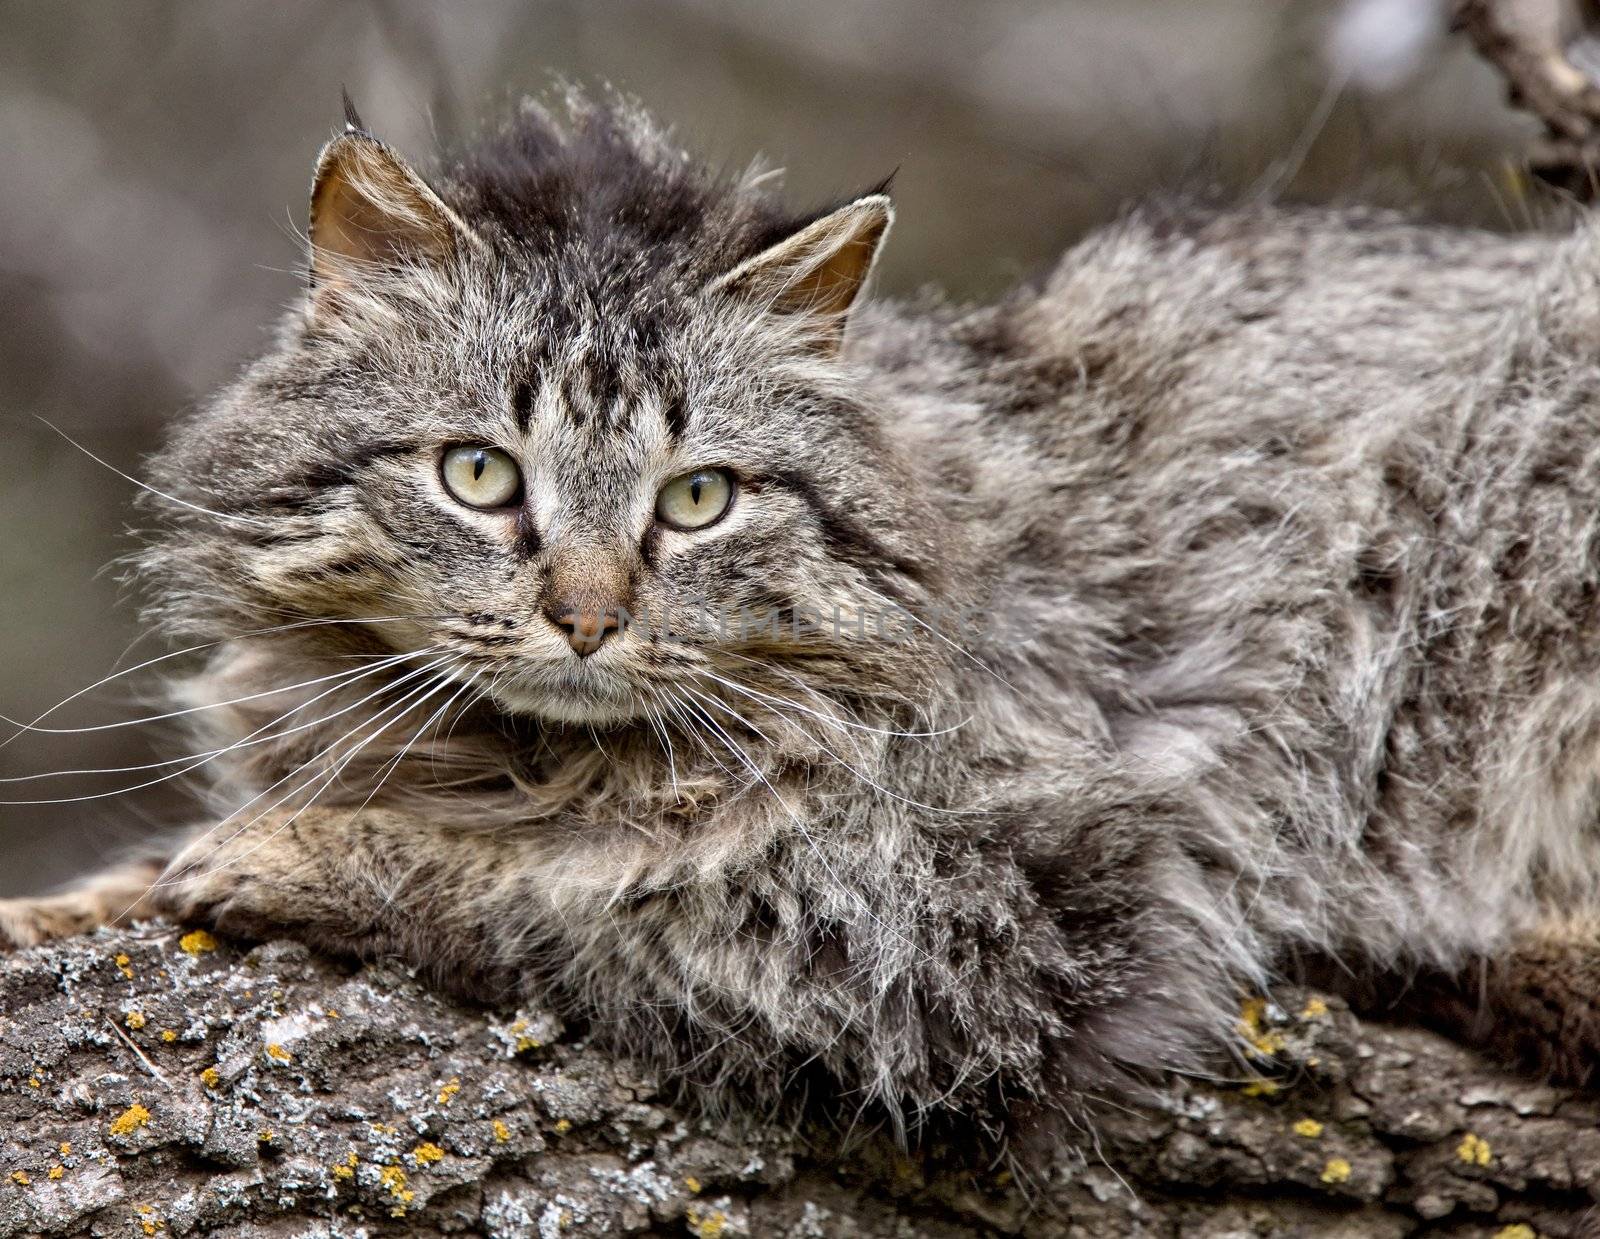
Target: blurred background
156 159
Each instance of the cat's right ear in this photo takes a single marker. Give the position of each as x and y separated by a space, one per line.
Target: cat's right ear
816 274
372 215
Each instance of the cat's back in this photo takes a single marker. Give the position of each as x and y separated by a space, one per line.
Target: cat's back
1194 321
1188 360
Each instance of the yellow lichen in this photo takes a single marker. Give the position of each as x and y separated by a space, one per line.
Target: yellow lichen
20 1176
502 1133
210 1078
1263 1041
346 1170
196 941
394 1179
66 1148
693 1184
35 1082
1517 1230
331 1013
277 1053
55 1172
1260 1088
1474 1150
1309 1128
1336 1171
427 1152
449 1091
134 1020
169 1034
563 1126
123 966
1315 1008
266 1136
706 1223
130 1120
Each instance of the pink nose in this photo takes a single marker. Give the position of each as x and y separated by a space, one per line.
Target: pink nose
586 627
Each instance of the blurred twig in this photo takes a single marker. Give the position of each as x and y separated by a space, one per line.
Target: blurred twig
1547 52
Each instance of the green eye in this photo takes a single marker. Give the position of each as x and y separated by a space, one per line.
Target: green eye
696 499
481 477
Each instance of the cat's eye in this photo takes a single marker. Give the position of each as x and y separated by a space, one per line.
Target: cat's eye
696 499
481 477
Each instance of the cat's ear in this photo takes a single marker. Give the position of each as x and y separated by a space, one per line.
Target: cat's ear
819 270
370 213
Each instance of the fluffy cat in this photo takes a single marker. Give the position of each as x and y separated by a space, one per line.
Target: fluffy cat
959 706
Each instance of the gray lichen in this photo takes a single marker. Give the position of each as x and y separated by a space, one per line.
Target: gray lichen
161 1083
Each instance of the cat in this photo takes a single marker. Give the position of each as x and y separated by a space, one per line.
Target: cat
598 602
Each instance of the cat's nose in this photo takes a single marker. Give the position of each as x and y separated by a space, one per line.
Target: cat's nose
586 626
585 596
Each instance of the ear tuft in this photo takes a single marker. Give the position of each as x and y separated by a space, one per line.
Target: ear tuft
819 270
352 118
371 212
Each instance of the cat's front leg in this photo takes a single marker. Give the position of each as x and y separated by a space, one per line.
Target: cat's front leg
370 884
115 896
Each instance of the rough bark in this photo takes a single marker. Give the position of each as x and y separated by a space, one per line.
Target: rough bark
157 1083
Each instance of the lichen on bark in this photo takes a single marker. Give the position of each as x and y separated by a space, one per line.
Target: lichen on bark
154 1082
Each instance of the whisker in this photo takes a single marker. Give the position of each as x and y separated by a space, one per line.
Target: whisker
251 739
195 649
404 706
394 763
171 714
258 521
834 720
659 727
328 781
122 791
877 787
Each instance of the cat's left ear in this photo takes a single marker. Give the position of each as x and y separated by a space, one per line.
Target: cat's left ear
819 270
371 213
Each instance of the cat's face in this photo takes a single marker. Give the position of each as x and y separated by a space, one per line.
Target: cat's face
600 492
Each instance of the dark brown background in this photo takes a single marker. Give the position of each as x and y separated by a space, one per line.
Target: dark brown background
156 156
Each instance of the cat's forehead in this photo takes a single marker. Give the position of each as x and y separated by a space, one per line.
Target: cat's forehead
606 364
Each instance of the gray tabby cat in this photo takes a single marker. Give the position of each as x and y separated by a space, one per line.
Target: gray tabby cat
964 706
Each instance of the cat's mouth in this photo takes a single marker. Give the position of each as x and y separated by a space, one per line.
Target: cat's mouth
569 698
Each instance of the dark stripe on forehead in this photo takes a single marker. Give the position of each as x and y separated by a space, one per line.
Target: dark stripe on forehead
675 409
522 404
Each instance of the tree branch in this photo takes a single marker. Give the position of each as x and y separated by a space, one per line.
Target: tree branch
251 1092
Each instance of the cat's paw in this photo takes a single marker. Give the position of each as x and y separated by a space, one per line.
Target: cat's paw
110 898
28 922
250 882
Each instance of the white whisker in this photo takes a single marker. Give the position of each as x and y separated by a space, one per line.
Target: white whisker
259 522
253 738
328 780
403 706
195 649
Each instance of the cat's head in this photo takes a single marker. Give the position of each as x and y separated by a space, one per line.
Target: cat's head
575 415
